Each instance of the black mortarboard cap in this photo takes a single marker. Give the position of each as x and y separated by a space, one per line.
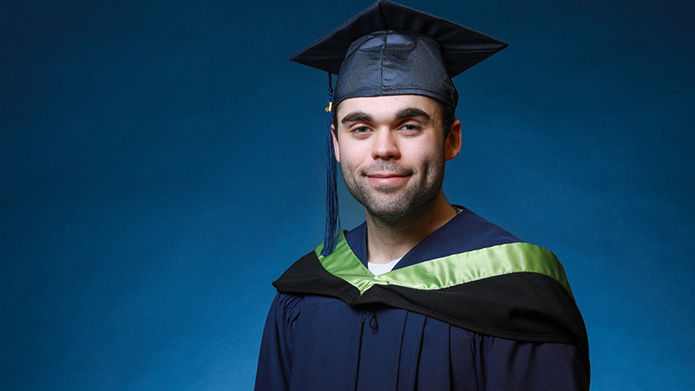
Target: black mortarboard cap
389 49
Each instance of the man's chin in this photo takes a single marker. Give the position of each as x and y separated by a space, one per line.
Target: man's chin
389 191
391 215
389 209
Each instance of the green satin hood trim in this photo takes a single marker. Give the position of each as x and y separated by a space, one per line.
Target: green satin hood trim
448 271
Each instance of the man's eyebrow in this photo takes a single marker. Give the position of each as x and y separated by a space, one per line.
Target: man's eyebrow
356 116
411 112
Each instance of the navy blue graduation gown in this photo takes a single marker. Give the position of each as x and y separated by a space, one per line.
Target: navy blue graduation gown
317 342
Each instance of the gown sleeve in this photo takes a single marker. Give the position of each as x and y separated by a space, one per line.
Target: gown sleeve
513 365
277 346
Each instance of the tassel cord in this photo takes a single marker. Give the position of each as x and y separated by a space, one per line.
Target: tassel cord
332 211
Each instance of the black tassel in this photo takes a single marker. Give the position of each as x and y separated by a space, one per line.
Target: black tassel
332 211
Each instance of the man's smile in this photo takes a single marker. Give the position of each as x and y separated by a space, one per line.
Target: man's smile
387 179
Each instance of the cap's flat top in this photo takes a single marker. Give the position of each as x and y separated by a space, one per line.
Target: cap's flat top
461 47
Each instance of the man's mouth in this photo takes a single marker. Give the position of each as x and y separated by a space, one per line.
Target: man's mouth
387 178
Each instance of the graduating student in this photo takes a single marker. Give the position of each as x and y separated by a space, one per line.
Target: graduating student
425 294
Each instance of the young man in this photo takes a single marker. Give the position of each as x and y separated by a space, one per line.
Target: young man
424 294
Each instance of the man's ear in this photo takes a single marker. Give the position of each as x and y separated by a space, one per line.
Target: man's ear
336 147
452 144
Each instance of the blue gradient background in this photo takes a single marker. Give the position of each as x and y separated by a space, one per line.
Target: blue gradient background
162 162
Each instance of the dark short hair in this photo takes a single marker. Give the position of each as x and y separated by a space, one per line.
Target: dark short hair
448 118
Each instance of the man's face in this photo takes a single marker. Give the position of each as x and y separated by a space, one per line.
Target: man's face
392 151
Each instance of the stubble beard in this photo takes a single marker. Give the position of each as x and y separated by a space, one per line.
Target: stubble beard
396 204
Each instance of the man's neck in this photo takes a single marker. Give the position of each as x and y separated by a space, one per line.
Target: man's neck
392 239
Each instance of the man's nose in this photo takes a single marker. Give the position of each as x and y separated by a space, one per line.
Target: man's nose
385 145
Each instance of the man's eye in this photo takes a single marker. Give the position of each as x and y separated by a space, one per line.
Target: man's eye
410 128
360 129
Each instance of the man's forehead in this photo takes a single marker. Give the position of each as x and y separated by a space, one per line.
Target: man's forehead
388 105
